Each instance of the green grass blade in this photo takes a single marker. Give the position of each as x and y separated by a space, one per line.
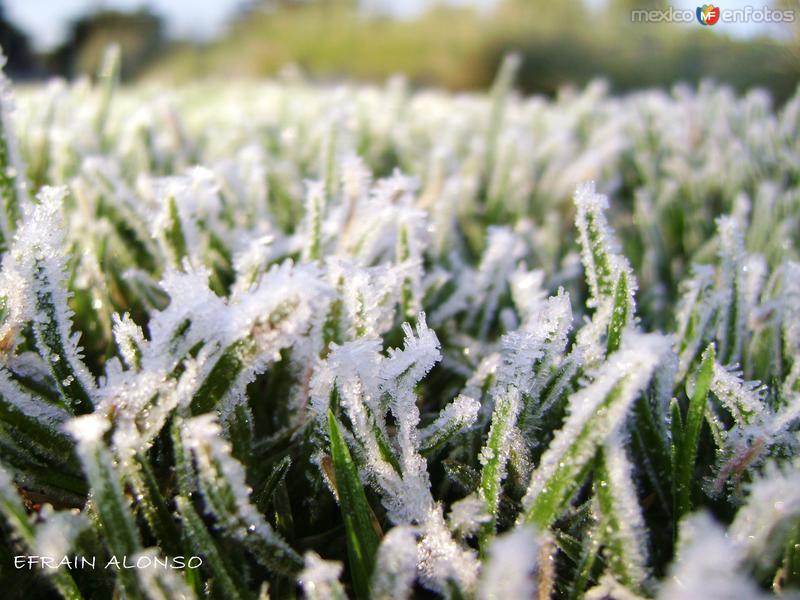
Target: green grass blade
362 540
204 545
494 457
621 314
173 235
687 447
154 505
621 522
222 376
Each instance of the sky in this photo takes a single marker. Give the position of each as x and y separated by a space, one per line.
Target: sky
47 20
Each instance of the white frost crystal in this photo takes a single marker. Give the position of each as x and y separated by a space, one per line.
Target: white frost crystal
708 565
768 516
510 571
396 565
320 578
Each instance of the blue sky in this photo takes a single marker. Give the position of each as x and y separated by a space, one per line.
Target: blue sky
47 20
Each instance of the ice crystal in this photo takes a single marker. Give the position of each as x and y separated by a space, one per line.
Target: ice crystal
159 582
396 564
320 578
740 397
772 508
509 573
707 565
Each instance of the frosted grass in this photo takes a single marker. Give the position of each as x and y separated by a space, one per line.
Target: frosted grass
555 336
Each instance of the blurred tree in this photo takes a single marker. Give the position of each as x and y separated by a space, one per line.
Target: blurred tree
276 5
16 47
625 6
451 45
794 43
791 5
139 34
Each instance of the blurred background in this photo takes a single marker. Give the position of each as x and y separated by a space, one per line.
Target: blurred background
455 44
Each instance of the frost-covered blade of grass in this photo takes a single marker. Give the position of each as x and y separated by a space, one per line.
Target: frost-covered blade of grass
599 251
16 516
594 413
113 507
533 359
622 526
39 253
222 481
608 273
37 419
456 417
741 398
494 455
621 314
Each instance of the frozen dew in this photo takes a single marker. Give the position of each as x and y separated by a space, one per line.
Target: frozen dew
222 476
510 570
467 515
158 582
708 565
396 565
88 429
320 578
773 505
58 531
742 398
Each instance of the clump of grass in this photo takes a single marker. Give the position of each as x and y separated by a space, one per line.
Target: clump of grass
323 376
